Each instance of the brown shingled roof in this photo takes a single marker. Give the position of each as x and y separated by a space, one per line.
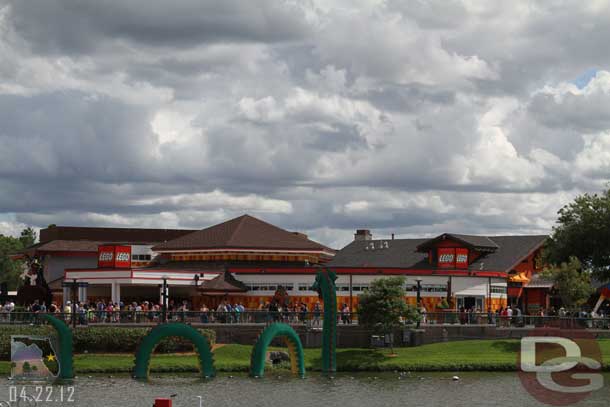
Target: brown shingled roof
244 232
225 282
405 253
131 235
481 243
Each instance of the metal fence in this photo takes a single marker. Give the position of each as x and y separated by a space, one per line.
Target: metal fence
516 321
310 319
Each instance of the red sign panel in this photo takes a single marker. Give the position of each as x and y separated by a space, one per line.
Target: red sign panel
122 256
114 256
461 258
105 256
446 257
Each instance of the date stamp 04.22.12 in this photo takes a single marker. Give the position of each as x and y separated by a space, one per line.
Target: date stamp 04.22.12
22 396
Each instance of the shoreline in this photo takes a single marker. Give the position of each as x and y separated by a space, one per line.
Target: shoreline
460 356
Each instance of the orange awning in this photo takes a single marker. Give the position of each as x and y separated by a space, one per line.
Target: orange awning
519 278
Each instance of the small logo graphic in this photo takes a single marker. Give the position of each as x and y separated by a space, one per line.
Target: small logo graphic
122 256
560 367
446 258
106 256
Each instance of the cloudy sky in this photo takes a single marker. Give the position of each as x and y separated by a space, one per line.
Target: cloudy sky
408 117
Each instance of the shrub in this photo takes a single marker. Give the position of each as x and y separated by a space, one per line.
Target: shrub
101 339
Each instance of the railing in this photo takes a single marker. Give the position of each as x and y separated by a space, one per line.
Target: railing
310 319
516 321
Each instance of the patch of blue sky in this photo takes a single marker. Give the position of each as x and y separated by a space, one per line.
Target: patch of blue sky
584 79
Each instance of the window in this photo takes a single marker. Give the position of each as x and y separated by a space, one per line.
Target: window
262 286
428 288
497 289
141 257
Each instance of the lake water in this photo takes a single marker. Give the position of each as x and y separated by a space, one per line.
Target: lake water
346 390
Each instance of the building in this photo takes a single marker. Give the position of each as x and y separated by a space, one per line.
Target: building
464 270
65 247
246 260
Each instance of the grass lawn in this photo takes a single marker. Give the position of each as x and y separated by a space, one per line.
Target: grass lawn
448 356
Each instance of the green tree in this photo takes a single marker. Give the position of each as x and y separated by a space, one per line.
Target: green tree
10 270
27 368
583 231
382 307
28 237
573 284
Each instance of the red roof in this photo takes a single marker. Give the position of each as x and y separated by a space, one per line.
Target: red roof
244 232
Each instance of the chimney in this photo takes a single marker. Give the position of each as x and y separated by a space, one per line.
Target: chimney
363 234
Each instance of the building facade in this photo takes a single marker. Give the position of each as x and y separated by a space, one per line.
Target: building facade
246 260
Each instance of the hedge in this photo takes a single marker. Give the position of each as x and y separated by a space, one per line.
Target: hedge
107 339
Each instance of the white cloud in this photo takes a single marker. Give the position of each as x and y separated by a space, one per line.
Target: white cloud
594 159
320 116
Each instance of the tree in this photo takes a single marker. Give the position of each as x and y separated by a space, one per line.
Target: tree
10 270
583 231
382 307
571 282
28 237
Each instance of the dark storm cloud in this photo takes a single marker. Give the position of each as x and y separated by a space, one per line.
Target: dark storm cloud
410 97
588 113
76 26
436 116
74 135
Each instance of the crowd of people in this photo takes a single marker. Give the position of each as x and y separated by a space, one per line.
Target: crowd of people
102 311
514 316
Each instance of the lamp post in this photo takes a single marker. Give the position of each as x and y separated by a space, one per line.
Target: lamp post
164 300
418 279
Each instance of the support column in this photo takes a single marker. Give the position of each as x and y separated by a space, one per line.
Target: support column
82 294
66 296
115 292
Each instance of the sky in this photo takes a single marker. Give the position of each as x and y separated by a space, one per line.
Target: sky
406 117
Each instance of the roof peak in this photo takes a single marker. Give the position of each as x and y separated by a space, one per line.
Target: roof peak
245 231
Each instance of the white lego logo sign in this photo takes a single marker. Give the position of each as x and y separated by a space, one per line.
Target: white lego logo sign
122 256
462 258
106 256
446 258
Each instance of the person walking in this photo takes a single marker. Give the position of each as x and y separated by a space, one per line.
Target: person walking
317 311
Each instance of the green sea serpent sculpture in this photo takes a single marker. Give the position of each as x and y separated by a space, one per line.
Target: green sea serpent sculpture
327 290
293 343
159 332
64 357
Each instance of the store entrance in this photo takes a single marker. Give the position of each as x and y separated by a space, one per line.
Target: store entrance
471 302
